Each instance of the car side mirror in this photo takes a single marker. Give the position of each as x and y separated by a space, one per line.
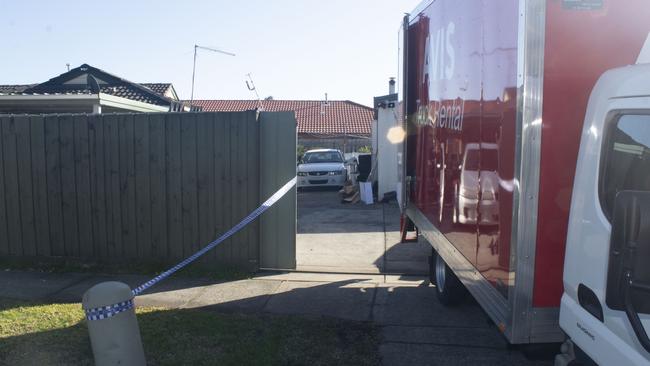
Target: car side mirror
628 277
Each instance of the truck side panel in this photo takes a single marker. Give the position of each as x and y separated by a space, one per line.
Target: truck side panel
462 114
581 44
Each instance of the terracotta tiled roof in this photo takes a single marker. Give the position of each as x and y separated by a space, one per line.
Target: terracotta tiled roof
315 117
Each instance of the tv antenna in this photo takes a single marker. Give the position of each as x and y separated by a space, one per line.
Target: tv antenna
252 88
196 48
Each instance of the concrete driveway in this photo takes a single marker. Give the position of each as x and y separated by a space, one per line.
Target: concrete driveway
353 238
363 240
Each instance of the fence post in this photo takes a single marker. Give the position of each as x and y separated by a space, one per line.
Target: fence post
112 325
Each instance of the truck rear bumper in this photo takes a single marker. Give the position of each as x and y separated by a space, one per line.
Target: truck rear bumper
595 339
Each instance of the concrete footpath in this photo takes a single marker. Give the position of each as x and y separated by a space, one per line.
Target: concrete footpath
416 329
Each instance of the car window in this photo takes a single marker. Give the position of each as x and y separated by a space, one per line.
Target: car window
323 157
626 159
471 160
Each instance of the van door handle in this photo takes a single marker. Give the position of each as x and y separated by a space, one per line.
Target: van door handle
632 315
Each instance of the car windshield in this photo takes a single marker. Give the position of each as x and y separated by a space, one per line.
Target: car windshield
471 159
488 160
323 157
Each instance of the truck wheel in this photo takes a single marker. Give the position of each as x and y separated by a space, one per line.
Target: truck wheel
449 289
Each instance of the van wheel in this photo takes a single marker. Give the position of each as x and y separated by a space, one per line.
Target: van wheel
449 289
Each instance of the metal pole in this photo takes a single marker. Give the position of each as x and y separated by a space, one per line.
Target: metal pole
345 137
193 73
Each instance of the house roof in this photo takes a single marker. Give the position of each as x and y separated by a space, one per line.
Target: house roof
164 89
160 88
86 79
315 117
13 89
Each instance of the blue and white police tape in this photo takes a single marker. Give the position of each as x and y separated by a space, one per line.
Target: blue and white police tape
138 290
109 310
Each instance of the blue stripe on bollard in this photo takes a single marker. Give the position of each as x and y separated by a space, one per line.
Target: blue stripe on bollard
112 310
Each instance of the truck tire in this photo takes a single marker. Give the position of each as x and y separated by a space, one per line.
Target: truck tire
449 289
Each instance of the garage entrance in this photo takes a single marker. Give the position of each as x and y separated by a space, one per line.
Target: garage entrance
353 238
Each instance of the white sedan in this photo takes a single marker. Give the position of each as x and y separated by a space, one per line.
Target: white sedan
322 168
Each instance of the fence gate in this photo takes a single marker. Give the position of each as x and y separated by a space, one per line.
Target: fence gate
147 187
278 166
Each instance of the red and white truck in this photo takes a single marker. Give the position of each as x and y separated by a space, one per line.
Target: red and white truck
526 165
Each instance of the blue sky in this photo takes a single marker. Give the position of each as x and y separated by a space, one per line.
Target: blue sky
295 49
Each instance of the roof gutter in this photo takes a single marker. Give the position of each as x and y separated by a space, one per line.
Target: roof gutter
50 97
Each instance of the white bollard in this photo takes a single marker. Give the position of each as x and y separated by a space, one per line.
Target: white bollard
113 326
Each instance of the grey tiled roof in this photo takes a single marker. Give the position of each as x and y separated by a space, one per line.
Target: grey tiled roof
12 89
160 88
111 84
129 92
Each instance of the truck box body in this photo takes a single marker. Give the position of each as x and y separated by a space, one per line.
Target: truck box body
495 93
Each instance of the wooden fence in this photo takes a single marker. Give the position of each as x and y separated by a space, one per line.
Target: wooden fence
147 187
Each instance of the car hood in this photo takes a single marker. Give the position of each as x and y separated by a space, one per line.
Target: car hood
320 167
489 181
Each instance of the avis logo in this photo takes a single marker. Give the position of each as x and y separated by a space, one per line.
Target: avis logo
440 61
